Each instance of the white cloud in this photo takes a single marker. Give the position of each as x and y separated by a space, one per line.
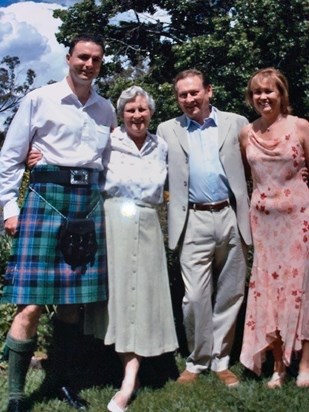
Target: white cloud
27 30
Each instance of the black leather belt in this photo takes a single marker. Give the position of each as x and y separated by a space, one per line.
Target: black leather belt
211 207
66 176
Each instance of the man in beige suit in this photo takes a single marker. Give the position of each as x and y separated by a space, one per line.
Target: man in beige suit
208 219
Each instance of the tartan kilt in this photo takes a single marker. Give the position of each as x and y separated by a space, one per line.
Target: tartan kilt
36 272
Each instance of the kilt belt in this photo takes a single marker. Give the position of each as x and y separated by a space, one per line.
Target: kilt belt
66 176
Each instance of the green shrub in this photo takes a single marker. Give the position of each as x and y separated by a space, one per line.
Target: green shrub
5 248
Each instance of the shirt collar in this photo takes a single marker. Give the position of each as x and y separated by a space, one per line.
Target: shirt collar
65 88
210 121
66 91
121 134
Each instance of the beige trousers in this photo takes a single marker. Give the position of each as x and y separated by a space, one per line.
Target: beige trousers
213 266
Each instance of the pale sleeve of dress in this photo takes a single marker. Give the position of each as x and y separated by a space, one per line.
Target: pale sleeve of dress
12 158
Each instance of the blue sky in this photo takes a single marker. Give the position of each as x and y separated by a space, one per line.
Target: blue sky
66 3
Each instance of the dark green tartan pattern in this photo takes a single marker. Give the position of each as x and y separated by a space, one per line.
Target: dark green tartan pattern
36 272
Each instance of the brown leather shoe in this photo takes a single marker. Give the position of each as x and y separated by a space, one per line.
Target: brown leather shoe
187 377
228 378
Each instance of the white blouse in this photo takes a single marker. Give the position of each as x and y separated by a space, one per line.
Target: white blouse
132 173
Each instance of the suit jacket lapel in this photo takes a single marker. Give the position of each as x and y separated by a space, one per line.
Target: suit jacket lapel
181 132
223 127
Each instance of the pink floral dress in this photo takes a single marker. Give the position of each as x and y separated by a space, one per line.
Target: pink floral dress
279 217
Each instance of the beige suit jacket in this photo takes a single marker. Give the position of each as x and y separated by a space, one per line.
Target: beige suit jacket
174 131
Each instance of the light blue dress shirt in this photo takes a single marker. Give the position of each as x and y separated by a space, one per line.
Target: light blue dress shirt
208 182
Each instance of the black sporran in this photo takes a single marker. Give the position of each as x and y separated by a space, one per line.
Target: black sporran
77 241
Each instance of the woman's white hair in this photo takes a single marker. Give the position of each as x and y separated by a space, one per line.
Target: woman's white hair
129 94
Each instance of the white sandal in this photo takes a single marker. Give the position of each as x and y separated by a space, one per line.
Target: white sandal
114 407
276 380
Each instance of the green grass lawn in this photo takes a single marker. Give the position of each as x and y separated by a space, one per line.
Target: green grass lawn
207 394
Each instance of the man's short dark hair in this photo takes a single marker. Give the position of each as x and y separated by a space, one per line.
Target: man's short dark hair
94 38
191 73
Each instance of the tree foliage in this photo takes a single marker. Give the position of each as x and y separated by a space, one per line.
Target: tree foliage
227 39
11 91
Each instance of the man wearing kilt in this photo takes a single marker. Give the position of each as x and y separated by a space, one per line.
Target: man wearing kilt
69 123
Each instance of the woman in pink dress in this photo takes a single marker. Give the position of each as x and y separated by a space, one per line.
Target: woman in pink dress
275 150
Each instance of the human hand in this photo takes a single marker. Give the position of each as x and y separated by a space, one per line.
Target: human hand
10 225
166 196
33 157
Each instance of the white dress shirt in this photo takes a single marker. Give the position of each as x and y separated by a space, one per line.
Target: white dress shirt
52 120
132 173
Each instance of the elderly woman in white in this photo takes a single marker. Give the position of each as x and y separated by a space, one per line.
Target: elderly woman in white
140 318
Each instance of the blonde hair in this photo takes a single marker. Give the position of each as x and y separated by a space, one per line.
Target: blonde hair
278 79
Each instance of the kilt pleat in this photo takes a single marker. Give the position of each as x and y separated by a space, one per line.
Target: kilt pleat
36 271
